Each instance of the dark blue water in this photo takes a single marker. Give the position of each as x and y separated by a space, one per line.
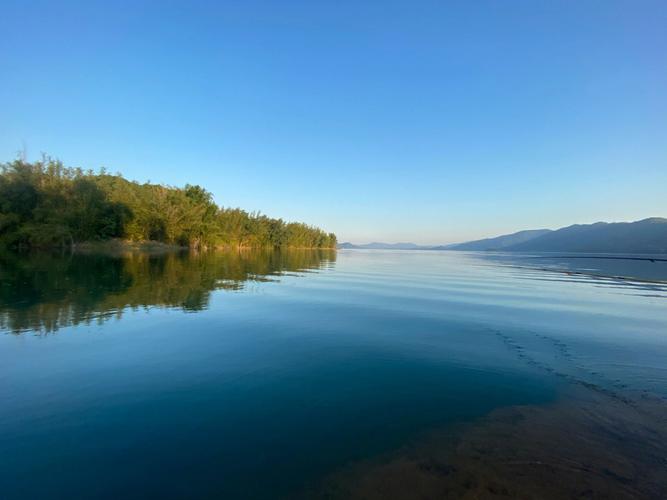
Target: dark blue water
256 375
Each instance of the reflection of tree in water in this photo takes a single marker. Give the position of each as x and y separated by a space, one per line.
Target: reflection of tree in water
42 292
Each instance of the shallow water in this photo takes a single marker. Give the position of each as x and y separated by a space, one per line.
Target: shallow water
260 375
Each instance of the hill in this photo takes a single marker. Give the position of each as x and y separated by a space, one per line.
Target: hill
644 236
499 242
383 246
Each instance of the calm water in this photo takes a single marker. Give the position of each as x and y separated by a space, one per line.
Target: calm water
256 375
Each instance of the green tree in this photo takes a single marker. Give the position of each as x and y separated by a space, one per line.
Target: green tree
47 204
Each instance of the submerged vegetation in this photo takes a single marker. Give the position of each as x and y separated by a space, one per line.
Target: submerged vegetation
45 204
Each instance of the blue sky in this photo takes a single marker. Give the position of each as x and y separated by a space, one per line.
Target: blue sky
430 122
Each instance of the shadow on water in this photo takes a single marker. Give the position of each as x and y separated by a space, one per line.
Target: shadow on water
42 292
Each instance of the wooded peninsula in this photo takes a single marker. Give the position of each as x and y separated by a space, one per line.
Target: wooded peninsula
44 204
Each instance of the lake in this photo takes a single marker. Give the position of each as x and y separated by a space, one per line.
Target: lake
322 374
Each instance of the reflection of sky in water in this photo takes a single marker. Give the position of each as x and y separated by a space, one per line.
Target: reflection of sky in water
651 268
309 363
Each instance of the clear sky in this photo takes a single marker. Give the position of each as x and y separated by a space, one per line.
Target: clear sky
430 122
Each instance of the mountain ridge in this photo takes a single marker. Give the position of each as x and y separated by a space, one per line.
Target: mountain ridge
500 242
645 236
375 245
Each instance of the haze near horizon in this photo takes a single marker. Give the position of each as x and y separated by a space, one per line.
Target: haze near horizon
426 122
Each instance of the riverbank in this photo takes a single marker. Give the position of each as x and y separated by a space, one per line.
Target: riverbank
119 246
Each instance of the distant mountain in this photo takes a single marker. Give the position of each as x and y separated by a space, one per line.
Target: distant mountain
644 236
446 247
499 242
383 246
392 246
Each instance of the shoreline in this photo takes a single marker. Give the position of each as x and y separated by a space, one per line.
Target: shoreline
118 246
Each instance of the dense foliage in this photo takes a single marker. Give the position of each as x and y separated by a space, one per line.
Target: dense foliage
45 204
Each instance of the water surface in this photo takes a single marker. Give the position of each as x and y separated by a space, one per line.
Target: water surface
263 374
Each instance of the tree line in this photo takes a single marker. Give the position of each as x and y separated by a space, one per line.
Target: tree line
45 204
